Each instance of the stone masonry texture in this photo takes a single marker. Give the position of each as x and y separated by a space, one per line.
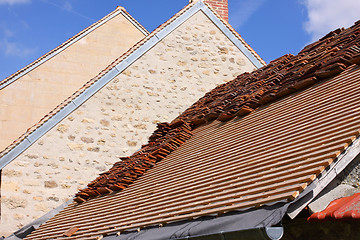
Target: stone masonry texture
36 93
118 119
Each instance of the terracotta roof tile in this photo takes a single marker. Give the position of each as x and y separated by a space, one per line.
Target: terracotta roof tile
107 69
270 155
288 74
340 209
253 141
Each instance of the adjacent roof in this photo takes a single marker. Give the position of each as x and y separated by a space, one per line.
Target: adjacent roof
69 42
341 209
120 64
259 140
28 95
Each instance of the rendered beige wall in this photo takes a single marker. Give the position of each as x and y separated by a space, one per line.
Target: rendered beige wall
24 102
118 119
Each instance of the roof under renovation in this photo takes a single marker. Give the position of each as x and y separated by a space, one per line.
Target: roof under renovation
257 141
72 102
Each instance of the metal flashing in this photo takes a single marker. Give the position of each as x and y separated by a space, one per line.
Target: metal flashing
134 23
324 179
230 35
178 21
23 145
141 50
34 136
122 66
151 42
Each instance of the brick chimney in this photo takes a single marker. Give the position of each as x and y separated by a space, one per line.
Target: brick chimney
220 6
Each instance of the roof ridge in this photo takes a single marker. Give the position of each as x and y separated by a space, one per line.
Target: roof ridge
228 25
5 82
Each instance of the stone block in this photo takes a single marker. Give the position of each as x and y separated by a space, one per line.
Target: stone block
50 184
10 186
62 128
14 202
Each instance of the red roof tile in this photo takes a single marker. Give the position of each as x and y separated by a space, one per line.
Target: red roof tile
343 208
66 102
270 155
288 74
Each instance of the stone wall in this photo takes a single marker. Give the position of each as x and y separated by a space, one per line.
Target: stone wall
24 102
118 119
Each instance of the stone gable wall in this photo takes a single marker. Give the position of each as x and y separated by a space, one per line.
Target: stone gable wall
118 119
24 102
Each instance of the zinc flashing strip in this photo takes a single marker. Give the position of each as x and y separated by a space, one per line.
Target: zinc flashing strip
38 133
324 179
134 22
58 117
62 48
14 153
230 35
179 20
150 43
84 96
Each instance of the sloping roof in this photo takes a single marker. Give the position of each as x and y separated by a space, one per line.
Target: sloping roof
261 139
120 64
28 95
341 209
69 42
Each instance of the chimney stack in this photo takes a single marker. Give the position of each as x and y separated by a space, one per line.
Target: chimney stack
220 6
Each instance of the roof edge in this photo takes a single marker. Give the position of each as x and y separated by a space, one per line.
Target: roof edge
28 68
109 73
310 193
133 20
246 49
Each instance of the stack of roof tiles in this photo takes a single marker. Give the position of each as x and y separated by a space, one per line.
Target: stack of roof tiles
340 209
92 81
162 142
321 60
213 159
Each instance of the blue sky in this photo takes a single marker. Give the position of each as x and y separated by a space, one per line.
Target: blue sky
30 28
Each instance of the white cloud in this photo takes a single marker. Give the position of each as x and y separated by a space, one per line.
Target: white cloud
15 49
12 2
242 11
327 15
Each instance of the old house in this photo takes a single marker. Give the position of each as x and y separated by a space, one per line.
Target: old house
248 155
32 92
115 110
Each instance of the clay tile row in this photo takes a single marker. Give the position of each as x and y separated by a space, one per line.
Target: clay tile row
318 61
166 138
